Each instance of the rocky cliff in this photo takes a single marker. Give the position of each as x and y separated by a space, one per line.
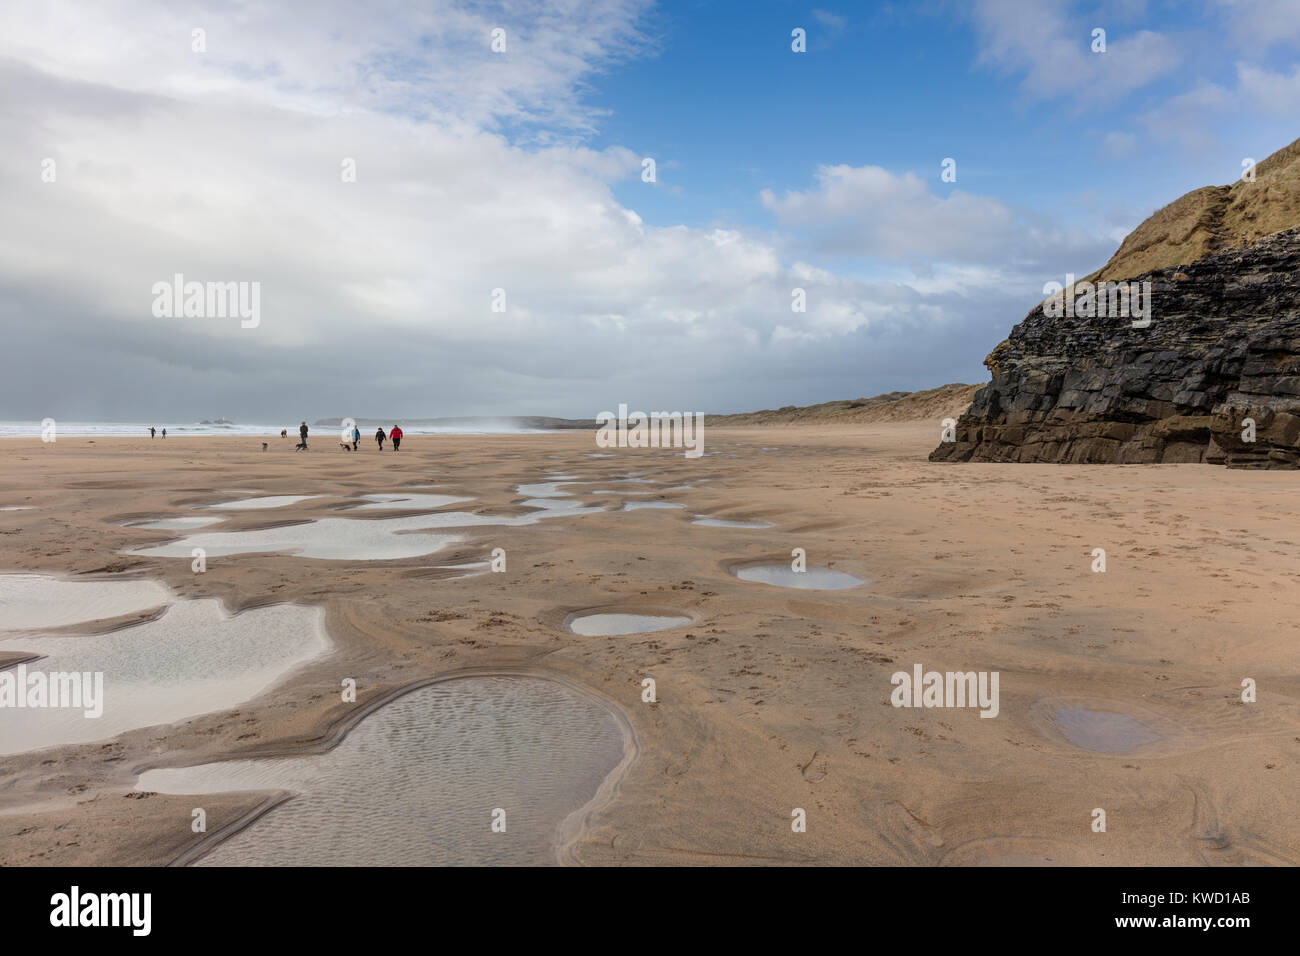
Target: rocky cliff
1212 373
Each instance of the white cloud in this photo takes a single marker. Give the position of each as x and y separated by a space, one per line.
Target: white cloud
1269 92
828 19
1258 25
1052 51
872 213
376 295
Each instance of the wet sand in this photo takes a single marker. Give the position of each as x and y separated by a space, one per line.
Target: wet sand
771 698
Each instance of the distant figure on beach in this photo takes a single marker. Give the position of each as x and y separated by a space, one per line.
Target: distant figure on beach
380 436
152 431
356 437
164 433
284 433
302 432
395 434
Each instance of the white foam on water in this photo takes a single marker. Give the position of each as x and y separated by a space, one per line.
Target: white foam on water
435 763
39 600
783 576
254 504
195 659
611 625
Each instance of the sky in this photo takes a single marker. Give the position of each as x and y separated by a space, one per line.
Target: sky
446 207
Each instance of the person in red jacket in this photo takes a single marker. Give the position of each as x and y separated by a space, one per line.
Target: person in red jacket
395 434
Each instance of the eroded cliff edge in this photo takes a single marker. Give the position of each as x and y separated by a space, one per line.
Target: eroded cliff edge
1222 346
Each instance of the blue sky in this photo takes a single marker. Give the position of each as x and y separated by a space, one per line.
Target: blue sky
902 86
520 169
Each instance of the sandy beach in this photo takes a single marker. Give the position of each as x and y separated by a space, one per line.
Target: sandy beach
770 699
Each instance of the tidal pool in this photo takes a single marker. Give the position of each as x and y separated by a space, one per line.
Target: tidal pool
1104 731
611 625
407 502
255 504
783 576
354 539
194 659
724 523
175 524
41 601
417 782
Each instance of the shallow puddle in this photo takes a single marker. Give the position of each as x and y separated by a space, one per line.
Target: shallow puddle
352 539
38 600
407 502
641 505
611 625
416 783
175 524
17 507
1103 731
724 523
338 539
255 504
783 576
196 658
545 489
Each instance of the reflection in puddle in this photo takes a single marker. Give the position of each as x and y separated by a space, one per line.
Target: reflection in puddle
545 489
1103 731
435 764
407 502
254 504
38 600
351 539
641 505
193 660
175 524
610 625
782 575
723 523
17 507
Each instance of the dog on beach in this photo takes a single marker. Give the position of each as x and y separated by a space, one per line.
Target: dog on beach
345 446
263 446
301 446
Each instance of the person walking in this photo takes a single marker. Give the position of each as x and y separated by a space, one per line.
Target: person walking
152 431
164 433
380 436
356 437
302 434
395 434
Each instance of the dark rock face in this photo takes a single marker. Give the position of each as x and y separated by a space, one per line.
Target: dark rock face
1222 347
